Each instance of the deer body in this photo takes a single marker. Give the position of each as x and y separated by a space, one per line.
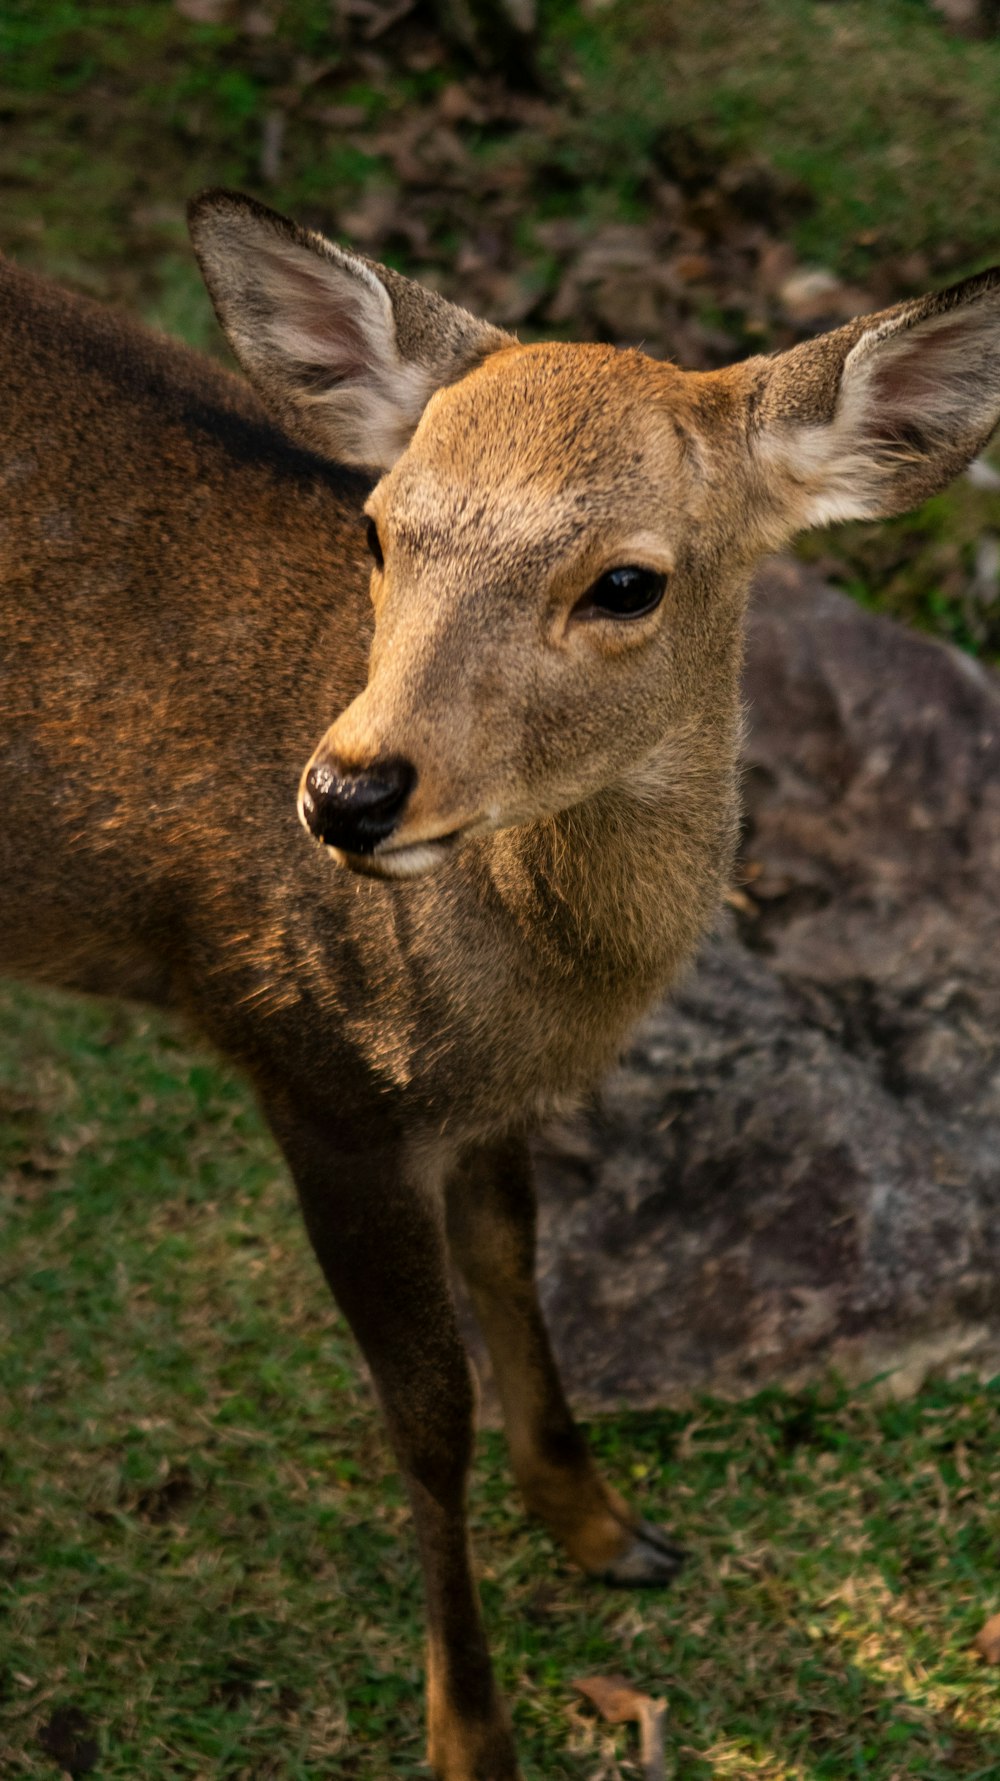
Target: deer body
529 769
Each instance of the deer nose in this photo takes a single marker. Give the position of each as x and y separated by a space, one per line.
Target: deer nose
356 808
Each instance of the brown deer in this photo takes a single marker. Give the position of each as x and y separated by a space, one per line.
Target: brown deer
471 612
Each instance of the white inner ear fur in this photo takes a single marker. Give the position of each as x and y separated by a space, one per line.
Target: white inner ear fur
940 377
329 320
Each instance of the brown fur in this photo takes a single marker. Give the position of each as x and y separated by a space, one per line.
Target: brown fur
186 610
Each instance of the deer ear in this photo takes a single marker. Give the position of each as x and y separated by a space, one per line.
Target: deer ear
347 353
873 418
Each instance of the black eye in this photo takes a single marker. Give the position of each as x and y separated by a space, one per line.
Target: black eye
630 592
374 545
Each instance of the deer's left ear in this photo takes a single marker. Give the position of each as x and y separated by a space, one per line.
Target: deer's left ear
873 418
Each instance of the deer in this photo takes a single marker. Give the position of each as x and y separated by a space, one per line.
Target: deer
380 713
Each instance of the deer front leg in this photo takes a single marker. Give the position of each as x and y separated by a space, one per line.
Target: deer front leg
491 1230
375 1224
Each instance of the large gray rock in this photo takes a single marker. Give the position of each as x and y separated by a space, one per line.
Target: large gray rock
799 1162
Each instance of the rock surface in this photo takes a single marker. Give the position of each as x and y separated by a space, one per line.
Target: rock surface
798 1163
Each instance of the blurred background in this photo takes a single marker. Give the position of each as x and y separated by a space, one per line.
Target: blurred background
706 180
203 1547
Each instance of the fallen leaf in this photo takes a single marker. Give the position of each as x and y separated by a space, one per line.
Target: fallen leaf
619 1703
257 22
987 1640
737 899
204 12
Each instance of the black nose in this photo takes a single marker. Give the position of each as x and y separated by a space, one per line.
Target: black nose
356 808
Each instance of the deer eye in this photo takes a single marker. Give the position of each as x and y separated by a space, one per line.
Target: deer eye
629 592
375 545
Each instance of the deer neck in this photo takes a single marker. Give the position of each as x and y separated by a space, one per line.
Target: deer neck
619 887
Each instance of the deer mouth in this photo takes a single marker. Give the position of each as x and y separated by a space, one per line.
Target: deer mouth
408 859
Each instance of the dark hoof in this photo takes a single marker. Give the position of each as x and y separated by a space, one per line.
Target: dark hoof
650 1559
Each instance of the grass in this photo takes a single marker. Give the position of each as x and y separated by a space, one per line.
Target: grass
204 1551
205 1554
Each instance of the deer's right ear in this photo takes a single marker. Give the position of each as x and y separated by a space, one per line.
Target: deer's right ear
346 352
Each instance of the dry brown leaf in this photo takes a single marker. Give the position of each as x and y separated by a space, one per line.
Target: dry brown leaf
204 12
615 1699
738 899
987 1640
619 1703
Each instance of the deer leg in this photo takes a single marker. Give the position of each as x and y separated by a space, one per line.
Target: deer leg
375 1222
491 1231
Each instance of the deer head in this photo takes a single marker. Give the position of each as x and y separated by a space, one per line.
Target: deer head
562 535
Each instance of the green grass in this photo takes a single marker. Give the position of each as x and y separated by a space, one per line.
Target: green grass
205 1552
